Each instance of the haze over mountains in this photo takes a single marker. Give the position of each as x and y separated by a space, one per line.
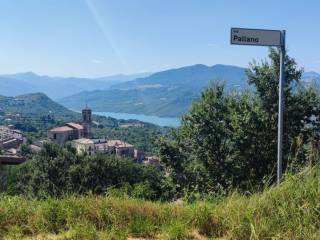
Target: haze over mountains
166 93
57 87
311 78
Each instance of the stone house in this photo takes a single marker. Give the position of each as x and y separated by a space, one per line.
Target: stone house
94 146
71 131
83 145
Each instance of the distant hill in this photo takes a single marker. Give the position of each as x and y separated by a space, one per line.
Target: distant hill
193 77
37 108
311 78
57 87
158 102
35 104
166 93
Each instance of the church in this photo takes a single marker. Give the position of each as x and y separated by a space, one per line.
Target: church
71 131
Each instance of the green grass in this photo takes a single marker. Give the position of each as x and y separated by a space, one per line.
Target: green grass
290 211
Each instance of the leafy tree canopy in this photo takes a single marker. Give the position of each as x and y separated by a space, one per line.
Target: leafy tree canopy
230 139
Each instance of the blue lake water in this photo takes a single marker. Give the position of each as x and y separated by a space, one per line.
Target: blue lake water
161 121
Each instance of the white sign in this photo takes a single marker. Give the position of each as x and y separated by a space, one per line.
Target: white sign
258 37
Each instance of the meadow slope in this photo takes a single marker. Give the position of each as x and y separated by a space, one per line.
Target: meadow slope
288 211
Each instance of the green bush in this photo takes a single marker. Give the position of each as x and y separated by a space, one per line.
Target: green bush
57 171
288 211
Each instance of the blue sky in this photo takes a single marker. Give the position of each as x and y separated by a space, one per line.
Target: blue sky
93 38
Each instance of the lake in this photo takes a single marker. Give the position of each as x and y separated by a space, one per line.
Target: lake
161 121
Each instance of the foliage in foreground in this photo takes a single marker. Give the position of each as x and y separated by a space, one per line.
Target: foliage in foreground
290 211
229 140
56 171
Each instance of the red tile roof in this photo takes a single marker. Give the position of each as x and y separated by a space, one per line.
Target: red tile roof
75 125
61 129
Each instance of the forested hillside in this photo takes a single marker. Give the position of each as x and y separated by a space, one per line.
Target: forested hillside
35 104
168 93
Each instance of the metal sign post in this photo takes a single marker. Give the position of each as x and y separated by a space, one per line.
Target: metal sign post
273 38
282 49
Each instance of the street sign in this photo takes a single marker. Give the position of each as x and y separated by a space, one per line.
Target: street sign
273 38
258 37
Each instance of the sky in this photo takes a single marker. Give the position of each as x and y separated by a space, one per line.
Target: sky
93 38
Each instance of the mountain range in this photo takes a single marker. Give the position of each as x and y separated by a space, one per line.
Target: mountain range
167 93
57 87
311 78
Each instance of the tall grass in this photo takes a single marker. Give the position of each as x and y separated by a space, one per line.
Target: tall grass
288 211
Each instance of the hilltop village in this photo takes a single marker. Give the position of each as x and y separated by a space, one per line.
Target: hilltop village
78 134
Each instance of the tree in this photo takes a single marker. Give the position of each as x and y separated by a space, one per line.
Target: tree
57 170
230 139
301 104
26 150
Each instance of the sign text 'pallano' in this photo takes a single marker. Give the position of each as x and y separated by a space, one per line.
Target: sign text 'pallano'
242 36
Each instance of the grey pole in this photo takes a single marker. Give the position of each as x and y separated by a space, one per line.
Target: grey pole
281 105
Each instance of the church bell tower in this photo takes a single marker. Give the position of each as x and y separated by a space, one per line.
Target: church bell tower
87 121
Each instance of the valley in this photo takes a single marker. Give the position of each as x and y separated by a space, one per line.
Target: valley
159 120
165 94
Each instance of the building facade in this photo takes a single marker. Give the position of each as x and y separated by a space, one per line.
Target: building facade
94 146
10 137
71 131
84 145
61 135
